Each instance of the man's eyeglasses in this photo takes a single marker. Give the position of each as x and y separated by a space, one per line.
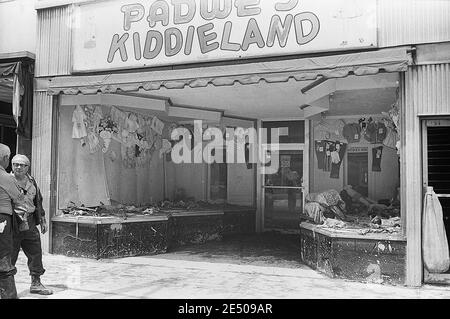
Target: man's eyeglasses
19 165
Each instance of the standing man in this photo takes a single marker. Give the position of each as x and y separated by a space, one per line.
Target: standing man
9 193
28 237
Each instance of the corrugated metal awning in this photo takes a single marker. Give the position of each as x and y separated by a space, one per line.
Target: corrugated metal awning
335 66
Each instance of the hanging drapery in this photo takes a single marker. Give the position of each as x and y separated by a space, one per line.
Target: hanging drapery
21 92
434 244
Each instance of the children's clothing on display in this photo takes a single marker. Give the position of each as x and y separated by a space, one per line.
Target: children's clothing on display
131 123
337 154
377 153
391 139
93 142
329 130
329 155
363 122
375 132
320 153
327 159
79 125
118 117
157 125
352 132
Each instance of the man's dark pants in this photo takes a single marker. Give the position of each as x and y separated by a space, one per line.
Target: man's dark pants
7 269
30 242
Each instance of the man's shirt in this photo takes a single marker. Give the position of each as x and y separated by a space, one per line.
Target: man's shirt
29 192
9 191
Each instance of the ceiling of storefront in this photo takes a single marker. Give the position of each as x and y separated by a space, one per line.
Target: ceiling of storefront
353 95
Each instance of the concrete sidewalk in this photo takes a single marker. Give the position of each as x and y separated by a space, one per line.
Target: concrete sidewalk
166 277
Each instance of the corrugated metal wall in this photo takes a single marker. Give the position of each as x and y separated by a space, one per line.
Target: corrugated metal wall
426 90
413 21
432 86
399 22
54 37
42 149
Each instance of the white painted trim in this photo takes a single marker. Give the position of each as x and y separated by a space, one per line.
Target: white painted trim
306 155
259 192
18 55
195 114
294 118
116 100
353 116
46 4
285 146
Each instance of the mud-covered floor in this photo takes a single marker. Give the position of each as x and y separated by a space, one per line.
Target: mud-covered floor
254 266
265 249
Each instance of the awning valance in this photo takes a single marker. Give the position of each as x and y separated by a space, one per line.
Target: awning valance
334 66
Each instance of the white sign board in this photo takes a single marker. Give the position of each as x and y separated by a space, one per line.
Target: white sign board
119 34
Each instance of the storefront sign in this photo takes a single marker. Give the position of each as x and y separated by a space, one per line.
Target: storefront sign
121 34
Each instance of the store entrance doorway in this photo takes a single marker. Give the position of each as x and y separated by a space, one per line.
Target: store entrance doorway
283 192
358 172
436 168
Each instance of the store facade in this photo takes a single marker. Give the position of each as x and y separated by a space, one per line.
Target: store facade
108 96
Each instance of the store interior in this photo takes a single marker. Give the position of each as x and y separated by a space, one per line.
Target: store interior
344 168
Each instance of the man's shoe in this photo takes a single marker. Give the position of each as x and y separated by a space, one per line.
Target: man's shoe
38 288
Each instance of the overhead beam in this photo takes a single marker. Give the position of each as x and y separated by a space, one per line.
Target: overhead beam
194 114
116 100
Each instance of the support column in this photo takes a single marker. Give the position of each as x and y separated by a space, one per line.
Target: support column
41 159
411 176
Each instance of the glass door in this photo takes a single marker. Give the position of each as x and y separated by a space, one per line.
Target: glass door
283 190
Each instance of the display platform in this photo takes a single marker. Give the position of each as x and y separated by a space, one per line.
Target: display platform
112 237
372 257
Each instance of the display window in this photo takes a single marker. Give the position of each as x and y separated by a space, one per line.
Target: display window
114 160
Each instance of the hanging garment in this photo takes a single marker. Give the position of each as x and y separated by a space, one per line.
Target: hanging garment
352 132
381 132
106 136
320 153
97 117
93 142
327 158
165 147
78 120
375 132
391 139
131 123
377 153
339 152
329 130
434 243
157 125
363 122
119 117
